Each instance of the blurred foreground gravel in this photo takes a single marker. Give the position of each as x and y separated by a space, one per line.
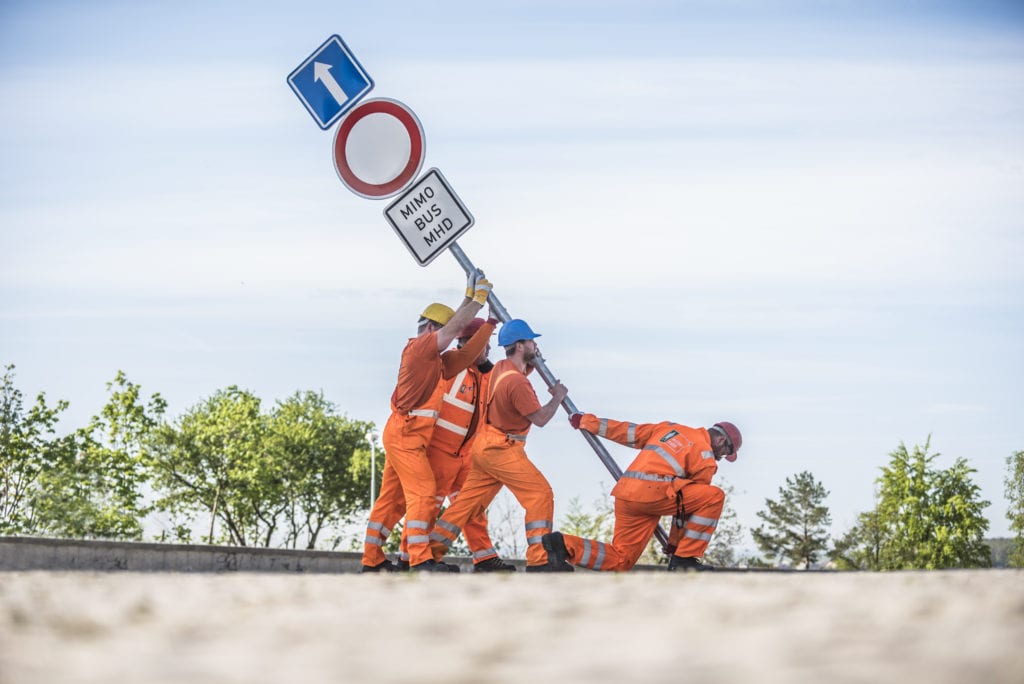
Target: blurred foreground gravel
949 626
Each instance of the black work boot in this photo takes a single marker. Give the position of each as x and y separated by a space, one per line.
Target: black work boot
690 564
554 544
557 555
550 567
433 566
386 566
493 565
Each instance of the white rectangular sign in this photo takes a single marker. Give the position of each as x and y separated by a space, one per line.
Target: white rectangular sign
428 217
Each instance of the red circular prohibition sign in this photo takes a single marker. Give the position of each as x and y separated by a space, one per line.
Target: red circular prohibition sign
408 172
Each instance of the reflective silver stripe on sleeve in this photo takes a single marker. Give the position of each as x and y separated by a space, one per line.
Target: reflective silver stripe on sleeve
651 477
693 534
603 430
417 525
484 554
701 520
533 540
537 524
707 454
585 558
423 413
418 539
631 435
668 459
457 429
384 531
376 541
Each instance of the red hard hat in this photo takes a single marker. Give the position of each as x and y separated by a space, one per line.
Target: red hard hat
471 328
732 433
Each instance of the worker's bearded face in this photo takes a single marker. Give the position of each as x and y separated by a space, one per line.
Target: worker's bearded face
530 352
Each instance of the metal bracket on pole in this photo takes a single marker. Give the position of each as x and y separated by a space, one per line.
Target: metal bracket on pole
499 312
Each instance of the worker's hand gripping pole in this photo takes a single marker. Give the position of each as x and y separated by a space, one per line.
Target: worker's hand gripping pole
498 311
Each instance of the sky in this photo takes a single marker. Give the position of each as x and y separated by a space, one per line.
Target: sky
806 218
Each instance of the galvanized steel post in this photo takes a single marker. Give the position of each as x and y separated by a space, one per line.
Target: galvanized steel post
499 312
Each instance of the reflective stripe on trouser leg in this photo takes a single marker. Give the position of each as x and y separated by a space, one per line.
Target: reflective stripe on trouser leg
420 491
536 529
416 532
508 464
388 509
703 504
475 529
444 532
593 554
376 534
477 493
634 527
450 471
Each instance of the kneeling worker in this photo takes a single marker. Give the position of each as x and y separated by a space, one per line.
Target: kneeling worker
670 476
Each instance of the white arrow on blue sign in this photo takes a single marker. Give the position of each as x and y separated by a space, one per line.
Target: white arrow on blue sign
330 82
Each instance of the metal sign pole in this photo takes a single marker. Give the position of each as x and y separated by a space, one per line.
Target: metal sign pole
499 312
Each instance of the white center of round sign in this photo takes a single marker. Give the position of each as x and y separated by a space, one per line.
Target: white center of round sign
379 148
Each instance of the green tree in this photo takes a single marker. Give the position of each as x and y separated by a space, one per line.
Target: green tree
1015 513
596 524
215 461
29 449
924 518
324 464
861 547
796 526
99 492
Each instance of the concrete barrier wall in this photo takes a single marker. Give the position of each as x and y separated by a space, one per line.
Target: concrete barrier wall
36 553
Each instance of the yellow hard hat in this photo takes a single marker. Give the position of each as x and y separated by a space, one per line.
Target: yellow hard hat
438 313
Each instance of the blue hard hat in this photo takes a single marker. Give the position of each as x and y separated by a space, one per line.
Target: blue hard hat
513 331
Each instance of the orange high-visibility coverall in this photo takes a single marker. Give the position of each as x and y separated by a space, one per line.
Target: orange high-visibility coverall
408 485
448 453
499 458
673 458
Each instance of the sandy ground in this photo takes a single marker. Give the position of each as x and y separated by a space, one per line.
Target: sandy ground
956 626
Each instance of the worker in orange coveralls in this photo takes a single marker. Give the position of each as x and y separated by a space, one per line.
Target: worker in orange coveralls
499 456
448 451
408 483
670 476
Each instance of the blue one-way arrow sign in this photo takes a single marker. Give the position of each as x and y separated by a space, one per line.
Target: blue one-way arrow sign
330 82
